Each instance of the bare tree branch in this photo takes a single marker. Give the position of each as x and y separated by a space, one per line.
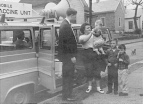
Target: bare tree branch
137 3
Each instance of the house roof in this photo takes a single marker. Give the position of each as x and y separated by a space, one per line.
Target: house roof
86 8
105 6
130 13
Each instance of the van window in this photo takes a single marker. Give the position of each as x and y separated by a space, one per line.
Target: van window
11 40
36 33
105 35
56 39
77 34
45 39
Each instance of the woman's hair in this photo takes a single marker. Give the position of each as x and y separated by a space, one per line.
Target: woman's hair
98 22
82 28
71 11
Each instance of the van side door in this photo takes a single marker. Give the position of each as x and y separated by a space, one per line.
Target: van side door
46 57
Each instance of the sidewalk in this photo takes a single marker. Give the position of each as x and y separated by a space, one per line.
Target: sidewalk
136 79
130 41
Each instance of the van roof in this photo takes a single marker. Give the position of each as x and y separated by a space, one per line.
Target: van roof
34 24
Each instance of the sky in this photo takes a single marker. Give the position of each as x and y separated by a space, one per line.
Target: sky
130 6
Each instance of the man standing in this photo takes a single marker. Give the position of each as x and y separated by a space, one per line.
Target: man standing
67 50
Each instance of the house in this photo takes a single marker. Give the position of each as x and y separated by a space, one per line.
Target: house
111 12
129 19
80 5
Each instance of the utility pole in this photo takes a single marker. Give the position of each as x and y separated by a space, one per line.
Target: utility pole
90 12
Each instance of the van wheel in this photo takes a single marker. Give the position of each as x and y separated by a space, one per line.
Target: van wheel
19 96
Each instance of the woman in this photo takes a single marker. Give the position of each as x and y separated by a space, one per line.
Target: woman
86 39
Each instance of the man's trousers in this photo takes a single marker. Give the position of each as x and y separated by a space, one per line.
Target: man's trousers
68 77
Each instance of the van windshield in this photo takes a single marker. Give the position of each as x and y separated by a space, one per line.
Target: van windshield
11 40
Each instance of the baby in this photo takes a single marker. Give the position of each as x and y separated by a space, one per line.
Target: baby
98 41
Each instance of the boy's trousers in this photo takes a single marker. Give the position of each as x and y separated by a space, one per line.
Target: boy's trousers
123 80
112 78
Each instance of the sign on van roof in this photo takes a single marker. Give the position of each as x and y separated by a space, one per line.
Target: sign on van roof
12 9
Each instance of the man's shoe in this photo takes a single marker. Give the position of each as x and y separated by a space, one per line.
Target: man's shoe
108 92
115 92
123 94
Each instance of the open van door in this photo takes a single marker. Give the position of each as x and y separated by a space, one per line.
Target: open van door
46 60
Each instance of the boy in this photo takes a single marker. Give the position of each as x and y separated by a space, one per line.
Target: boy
123 62
112 61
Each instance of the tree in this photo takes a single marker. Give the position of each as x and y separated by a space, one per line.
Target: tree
90 12
137 3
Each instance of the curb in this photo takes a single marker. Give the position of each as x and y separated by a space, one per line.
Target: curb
120 42
47 100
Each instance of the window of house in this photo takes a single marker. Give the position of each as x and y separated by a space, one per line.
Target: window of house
103 20
11 40
119 21
130 24
86 19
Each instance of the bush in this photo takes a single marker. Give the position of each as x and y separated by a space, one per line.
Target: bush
128 37
137 31
128 32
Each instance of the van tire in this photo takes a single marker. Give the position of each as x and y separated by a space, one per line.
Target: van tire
21 95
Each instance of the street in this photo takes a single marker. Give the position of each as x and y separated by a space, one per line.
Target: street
135 84
139 51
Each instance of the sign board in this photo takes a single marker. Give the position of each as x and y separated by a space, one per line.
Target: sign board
12 9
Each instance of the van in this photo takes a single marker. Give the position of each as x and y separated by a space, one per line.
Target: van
29 62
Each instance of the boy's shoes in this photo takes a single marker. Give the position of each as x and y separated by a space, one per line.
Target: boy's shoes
108 92
115 92
141 94
100 91
123 94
